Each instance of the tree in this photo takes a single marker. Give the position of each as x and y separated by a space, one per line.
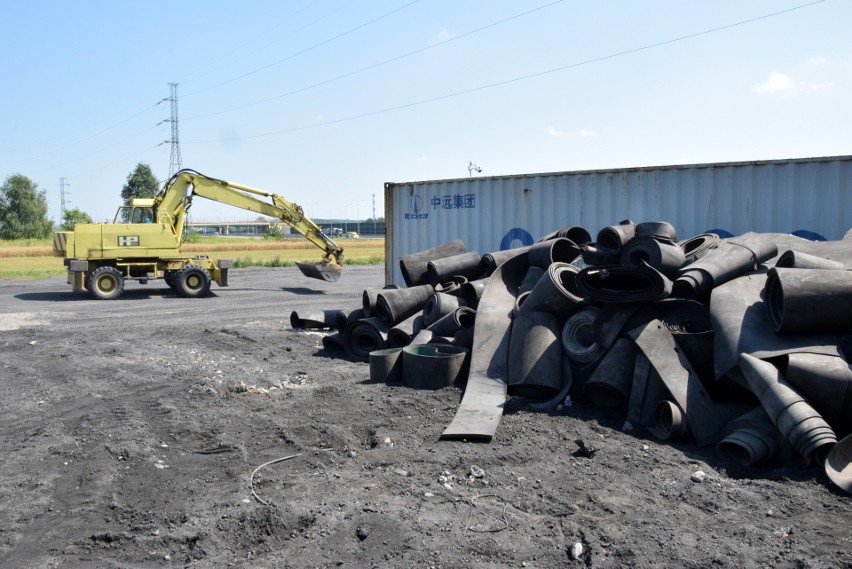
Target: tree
73 217
141 183
23 210
274 231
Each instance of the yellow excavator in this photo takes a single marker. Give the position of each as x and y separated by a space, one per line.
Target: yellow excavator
144 240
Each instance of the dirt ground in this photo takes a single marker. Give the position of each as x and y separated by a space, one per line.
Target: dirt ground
142 432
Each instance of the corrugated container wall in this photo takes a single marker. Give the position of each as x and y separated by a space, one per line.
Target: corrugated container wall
810 195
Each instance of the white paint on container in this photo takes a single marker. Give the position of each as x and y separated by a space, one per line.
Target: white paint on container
810 195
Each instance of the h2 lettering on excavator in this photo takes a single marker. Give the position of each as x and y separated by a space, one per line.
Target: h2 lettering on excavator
128 240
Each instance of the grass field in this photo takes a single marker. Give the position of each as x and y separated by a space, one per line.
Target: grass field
32 258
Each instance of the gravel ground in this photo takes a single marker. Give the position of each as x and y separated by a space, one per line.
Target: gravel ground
156 431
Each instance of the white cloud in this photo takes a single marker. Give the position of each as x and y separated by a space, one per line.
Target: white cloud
585 133
554 132
443 34
786 85
817 60
777 83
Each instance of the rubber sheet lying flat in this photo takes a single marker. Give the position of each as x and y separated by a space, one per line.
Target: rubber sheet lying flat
481 406
840 251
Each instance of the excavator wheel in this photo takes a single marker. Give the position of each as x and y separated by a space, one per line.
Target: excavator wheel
192 281
169 277
106 283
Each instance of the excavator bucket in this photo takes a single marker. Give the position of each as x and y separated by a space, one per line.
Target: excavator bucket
323 270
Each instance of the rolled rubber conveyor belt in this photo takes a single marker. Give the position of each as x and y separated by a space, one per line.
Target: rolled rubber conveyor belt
741 325
450 324
791 259
698 246
659 347
369 298
490 261
439 305
669 422
808 301
559 250
394 306
314 319
400 335
826 383
657 229
467 265
555 292
618 284
614 237
800 424
363 336
414 267
578 337
665 256
838 464
347 316
577 234
750 439
732 258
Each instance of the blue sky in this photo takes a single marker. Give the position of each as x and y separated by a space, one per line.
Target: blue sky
323 101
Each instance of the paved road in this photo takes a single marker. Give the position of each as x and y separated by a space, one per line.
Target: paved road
254 294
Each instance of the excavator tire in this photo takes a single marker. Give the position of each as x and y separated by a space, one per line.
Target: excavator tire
106 283
192 281
169 277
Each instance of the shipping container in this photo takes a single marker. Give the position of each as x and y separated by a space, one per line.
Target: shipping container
810 197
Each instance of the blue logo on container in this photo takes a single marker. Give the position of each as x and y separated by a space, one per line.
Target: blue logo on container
516 234
416 207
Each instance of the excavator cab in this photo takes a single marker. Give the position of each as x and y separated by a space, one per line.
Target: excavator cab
141 210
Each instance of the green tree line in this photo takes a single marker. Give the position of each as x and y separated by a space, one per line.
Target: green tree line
23 207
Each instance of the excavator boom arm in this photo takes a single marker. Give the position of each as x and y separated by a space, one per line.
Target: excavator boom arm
178 193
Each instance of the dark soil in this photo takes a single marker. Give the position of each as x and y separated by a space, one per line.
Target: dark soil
150 431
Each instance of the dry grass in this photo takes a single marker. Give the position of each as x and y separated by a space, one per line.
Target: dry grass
26 251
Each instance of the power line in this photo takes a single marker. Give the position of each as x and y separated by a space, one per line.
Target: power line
135 156
103 148
104 130
254 39
79 140
307 49
514 79
381 63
